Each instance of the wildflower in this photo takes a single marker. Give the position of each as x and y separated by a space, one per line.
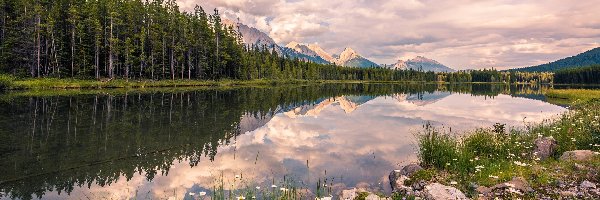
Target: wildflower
454 159
520 164
494 177
479 167
453 183
241 198
258 187
476 158
447 164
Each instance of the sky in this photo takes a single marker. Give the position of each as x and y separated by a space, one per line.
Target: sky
462 34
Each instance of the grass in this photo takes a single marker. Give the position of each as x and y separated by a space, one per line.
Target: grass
569 96
12 83
494 155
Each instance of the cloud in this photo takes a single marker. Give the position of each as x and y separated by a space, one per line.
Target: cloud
462 34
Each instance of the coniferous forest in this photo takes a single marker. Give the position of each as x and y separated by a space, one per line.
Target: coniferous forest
144 39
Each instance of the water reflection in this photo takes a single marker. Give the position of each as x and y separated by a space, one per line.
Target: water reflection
161 144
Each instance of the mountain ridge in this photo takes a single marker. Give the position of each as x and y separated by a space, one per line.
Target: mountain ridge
586 58
421 63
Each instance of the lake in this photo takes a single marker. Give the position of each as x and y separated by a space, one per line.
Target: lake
180 143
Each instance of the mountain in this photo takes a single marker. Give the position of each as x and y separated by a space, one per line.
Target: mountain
255 37
583 59
313 52
421 63
350 58
322 53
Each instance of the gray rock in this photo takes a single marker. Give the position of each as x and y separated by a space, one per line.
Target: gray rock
545 147
436 191
397 177
373 197
397 180
410 169
577 155
567 194
587 185
518 183
418 185
348 194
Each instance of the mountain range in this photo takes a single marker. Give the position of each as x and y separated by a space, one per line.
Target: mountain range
314 53
421 63
589 57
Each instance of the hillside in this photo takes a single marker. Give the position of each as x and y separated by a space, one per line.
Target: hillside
583 59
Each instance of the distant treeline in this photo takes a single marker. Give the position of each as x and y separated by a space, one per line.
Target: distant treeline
583 75
143 39
587 58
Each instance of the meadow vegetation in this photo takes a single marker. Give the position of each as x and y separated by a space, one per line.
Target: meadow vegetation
489 156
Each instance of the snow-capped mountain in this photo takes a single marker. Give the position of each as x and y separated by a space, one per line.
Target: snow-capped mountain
311 52
259 39
322 53
421 63
350 58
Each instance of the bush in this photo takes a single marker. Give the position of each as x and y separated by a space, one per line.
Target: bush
6 81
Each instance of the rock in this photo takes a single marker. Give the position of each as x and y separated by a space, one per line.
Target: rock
410 169
436 191
397 180
587 185
577 155
418 185
397 177
348 194
517 183
483 190
567 194
373 197
545 147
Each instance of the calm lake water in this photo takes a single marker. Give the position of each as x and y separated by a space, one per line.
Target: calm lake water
118 144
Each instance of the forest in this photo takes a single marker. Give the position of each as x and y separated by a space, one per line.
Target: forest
583 75
154 40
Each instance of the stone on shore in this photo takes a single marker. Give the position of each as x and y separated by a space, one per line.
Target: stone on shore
397 177
436 191
577 155
544 147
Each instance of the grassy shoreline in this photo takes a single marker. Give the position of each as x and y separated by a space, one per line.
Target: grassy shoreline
8 82
489 156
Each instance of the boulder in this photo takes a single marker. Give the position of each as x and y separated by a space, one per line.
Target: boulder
587 185
410 169
397 177
348 194
436 191
545 147
518 183
373 197
577 155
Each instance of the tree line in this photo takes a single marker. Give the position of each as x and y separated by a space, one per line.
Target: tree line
583 75
153 39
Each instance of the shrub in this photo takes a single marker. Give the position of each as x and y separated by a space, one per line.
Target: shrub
6 81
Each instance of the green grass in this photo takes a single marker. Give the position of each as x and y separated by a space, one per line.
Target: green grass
570 96
494 155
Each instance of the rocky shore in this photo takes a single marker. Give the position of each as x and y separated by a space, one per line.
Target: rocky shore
416 182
